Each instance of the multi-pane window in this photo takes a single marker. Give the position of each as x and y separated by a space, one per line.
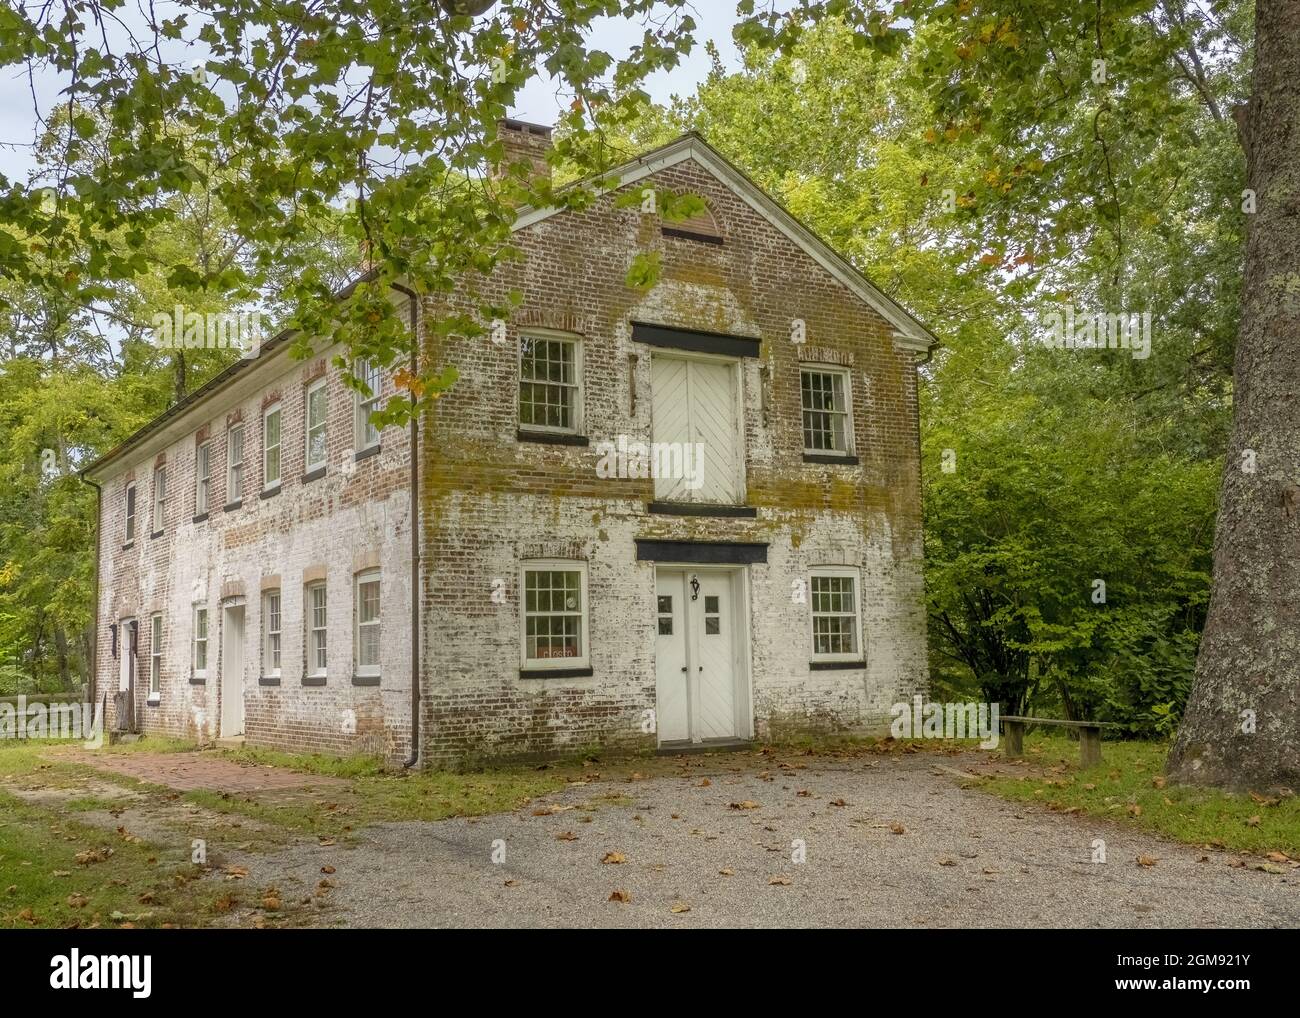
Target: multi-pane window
235 463
367 432
200 640
317 409
825 398
130 514
203 477
834 615
155 653
159 498
271 630
367 614
271 447
555 614
548 383
316 629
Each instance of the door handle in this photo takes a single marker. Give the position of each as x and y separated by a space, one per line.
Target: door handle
683 668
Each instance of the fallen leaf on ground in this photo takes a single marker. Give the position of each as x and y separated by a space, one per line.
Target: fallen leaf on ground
1147 860
566 836
780 881
744 804
728 872
897 829
680 906
613 858
621 896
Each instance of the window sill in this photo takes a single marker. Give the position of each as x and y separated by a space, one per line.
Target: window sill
313 475
129 545
366 453
153 700
200 518
844 459
551 437
230 507
269 492
365 680
156 534
555 673
198 680
834 666
313 680
701 509
268 680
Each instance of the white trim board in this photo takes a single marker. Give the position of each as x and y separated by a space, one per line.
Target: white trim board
909 333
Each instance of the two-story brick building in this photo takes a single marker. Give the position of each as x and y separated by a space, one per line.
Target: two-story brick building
671 517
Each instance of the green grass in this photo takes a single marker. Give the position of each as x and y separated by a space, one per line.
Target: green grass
1131 775
57 872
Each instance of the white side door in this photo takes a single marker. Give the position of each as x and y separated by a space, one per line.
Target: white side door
232 671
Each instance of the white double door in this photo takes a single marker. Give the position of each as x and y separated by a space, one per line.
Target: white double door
698 664
696 420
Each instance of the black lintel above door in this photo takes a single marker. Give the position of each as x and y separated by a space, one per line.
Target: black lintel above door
695 340
702 552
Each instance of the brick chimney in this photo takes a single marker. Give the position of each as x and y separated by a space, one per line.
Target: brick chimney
524 141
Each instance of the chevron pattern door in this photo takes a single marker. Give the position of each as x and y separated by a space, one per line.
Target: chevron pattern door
695 413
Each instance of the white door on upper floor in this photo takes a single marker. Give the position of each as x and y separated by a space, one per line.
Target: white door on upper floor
698 450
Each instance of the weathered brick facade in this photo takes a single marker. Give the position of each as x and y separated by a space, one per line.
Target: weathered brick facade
493 497
353 518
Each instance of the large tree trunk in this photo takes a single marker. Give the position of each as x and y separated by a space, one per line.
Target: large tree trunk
1242 725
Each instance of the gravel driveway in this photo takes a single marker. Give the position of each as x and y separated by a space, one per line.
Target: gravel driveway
692 858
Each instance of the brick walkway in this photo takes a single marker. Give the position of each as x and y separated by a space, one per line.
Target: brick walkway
188 771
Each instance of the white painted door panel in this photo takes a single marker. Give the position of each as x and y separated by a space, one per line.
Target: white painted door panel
695 405
715 673
671 709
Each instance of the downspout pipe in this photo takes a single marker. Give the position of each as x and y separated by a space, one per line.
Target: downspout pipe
414 758
92 666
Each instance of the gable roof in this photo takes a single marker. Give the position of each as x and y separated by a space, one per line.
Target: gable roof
909 332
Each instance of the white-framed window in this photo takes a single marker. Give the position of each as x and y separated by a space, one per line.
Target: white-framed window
316 620
202 478
200 659
271 447
827 422
367 616
155 654
317 411
836 616
235 464
159 498
553 631
130 514
550 383
367 433
271 633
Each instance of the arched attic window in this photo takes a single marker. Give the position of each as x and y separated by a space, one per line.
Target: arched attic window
702 227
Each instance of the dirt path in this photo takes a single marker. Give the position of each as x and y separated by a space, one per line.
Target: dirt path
964 858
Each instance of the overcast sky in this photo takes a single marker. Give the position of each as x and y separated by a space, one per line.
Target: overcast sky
538 101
